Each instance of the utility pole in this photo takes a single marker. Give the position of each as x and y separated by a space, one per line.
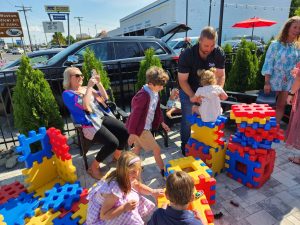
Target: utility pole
221 22
79 19
186 14
24 10
209 12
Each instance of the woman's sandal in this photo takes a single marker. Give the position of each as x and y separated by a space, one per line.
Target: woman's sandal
295 160
93 175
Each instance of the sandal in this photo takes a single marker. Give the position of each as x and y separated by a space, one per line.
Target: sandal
295 160
94 175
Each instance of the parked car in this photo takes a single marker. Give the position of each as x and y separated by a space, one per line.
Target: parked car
36 58
235 44
121 57
16 51
179 44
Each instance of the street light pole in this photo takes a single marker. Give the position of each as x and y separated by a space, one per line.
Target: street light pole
186 14
79 19
24 10
209 12
221 22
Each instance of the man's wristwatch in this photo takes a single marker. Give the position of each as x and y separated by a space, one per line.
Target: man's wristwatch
291 94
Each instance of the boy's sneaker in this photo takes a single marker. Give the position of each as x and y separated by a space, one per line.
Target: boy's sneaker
162 172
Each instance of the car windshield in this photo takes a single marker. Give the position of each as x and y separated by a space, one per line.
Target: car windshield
11 64
172 43
63 53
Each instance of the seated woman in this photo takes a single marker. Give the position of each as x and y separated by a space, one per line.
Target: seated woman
87 107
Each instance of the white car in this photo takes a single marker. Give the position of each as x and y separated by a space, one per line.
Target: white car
179 44
16 51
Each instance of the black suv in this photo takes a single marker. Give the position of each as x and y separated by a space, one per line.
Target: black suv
121 57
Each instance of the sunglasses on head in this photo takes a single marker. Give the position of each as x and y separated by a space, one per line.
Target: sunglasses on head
78 75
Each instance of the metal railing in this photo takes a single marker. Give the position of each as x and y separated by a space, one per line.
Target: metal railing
123 78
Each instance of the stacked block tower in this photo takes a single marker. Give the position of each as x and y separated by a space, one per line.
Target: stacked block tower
207 142
250 157
52 194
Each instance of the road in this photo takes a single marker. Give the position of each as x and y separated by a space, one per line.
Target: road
8 57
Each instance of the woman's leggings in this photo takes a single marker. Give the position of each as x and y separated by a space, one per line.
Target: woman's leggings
112 135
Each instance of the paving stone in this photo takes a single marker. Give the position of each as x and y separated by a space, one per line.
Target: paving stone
275 207
237 212
251 209
285 178
261 218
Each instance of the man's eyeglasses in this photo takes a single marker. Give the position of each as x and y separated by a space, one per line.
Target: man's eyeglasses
78 75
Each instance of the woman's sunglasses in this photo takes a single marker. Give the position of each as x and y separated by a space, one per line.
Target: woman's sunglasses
78 75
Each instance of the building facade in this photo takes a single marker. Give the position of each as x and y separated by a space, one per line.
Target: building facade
195 13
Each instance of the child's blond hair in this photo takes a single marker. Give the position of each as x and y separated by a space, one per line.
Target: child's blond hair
121 173
207 77
156 76
180 188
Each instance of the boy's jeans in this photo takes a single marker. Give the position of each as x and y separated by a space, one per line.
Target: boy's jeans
186 109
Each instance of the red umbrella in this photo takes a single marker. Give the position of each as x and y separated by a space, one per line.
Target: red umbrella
254 22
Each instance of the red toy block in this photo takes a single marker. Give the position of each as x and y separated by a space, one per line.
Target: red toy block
206 185
12 190
59 144
198 153
253 110
75 206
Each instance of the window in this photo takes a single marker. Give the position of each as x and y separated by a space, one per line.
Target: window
102 51
157 48
39 59
127 50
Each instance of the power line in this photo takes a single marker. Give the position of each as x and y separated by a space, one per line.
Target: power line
79 19
24 10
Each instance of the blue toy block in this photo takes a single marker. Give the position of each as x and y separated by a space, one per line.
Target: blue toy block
66 220
241 138
267 126
25 143
17 209
199 144
195 119
234 157
61 196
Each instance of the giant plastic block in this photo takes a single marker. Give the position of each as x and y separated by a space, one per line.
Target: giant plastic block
250 170
195 119
25 143
66 220
249 141
81 213
208 136
214 158
61 196
59 144
17 209
41 218
1 220
9 191
200 173
200 204
65 169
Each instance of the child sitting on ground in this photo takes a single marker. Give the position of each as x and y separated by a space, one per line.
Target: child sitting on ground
173 104
210 95
180 192
117 199
146 115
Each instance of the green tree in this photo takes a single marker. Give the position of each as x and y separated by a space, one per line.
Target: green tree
243 72
72 39
294 10
33 102
90 62
58 39
149 60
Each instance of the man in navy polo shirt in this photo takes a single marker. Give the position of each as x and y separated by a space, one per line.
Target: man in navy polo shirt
203 55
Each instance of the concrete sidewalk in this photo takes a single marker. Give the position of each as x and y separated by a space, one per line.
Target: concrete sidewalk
277 202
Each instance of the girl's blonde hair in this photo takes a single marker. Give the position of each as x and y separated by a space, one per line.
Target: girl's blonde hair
207 77
283 35
126 162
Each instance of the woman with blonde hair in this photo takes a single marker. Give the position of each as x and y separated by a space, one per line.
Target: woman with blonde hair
118 199
281 57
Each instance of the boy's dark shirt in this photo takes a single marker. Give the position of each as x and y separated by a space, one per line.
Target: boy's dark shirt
190 62
171 216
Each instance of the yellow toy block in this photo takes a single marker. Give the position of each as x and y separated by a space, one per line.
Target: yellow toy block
200 204
200 173
217 160
227 157
1 220
81 213
66 170
249 120
41 218
205 135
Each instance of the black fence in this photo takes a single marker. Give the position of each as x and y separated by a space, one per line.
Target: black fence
123 78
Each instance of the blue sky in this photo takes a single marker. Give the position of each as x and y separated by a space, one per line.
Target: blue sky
105 14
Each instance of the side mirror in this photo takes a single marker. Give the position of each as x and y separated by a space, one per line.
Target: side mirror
72 59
